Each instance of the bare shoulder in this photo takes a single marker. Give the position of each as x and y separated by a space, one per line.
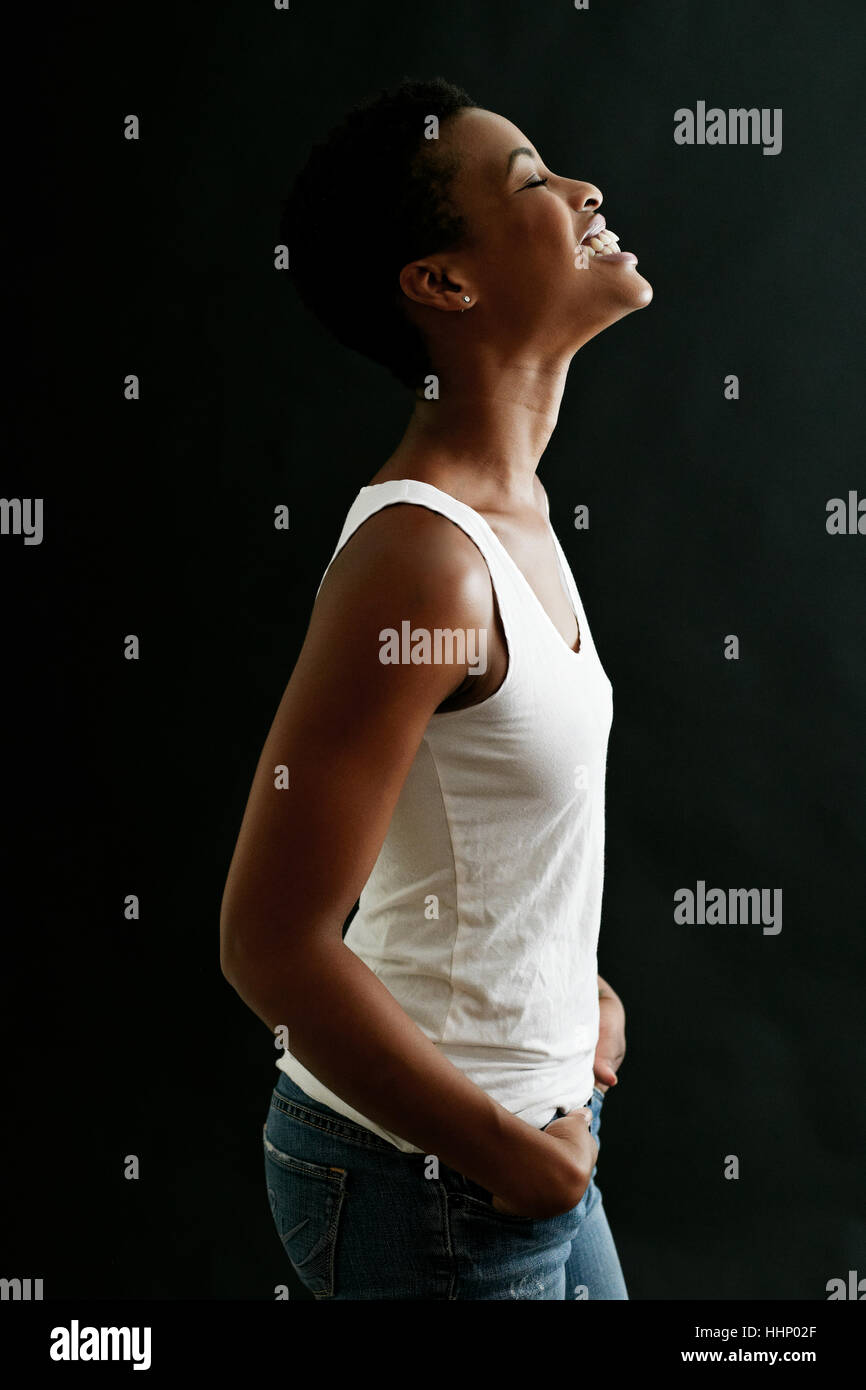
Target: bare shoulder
409 557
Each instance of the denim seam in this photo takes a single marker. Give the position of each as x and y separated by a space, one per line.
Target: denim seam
449 1243
325 1172
341 1129
332 1240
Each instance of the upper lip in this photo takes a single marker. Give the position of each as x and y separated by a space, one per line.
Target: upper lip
596 225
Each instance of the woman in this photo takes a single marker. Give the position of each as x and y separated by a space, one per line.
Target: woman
440 748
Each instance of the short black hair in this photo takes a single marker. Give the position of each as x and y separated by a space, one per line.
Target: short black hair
375 191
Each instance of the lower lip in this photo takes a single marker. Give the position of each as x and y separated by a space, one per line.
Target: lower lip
616 258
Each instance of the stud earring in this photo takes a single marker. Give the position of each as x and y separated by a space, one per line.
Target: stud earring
466 300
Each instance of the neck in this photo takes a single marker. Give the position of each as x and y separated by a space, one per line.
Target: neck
484 435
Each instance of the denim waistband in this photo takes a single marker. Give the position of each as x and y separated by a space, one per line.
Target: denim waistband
291 1095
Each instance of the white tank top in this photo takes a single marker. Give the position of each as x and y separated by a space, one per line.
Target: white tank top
481 914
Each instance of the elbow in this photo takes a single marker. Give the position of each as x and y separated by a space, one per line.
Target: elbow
241 934
228 965
240 968
255 948
250 953
231 949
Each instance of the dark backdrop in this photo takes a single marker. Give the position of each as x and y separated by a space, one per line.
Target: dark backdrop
707 517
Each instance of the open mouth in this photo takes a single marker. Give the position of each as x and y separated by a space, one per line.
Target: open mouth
600 244
604 243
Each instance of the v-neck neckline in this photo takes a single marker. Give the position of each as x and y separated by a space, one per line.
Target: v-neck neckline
511 560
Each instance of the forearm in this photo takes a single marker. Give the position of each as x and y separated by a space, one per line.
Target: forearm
351 1033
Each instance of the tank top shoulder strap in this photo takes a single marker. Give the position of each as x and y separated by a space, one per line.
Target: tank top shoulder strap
374 498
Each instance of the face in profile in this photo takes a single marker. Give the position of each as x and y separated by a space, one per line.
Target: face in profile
526 264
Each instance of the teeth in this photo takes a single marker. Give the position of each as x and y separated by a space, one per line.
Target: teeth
606 243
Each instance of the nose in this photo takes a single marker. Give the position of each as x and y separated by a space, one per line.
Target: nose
583 196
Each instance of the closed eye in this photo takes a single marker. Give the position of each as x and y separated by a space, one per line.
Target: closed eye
537 183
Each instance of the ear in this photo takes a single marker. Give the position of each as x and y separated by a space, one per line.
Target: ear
429 283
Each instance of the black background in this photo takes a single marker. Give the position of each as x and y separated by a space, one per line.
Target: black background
707 517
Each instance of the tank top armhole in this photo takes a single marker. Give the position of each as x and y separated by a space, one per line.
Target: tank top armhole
467 520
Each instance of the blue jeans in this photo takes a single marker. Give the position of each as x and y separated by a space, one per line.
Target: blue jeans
360 1219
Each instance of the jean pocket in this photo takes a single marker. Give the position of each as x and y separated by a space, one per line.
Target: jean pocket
481 1202
306 1201
476 1200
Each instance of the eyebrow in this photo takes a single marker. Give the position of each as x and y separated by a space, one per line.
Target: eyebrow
521 149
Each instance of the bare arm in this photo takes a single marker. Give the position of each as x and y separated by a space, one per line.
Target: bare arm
348 728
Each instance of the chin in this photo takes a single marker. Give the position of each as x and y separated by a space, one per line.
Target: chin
634 295
642 291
